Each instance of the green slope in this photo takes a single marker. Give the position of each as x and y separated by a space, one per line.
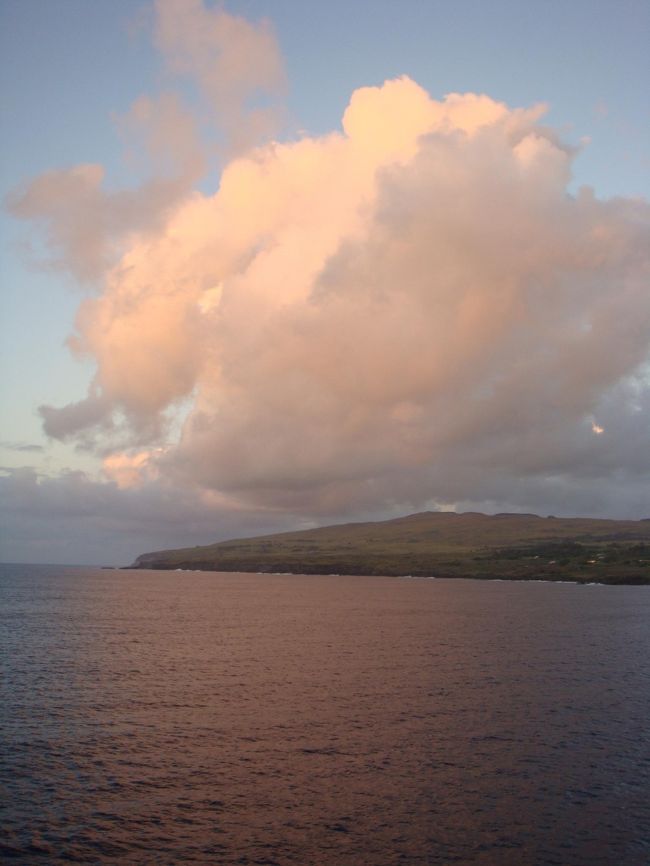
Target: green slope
510 546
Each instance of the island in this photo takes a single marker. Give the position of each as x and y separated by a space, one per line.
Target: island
438 544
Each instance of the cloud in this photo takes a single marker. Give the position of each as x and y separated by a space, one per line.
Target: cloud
237 67
409 311
130 470
87 225
236 64
22 446
72 518
75 417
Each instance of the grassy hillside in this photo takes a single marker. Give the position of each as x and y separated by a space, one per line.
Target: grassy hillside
511 546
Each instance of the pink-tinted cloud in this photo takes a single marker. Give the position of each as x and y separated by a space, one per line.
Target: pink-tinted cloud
411 310
236 64
237 67
86 224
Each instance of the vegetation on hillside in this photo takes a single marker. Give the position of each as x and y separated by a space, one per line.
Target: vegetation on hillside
442 544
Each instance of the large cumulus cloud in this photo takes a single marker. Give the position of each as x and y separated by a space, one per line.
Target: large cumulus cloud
411 310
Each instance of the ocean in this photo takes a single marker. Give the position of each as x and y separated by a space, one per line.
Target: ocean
204 718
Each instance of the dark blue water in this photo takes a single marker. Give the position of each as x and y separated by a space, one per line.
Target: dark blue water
173 718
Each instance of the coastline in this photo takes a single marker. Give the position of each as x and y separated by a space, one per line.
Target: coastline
312 571
442 544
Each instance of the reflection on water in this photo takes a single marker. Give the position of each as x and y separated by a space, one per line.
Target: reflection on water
156 717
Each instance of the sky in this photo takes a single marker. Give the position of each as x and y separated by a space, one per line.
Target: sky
268 266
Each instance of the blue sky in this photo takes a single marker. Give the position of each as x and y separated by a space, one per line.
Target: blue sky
71 68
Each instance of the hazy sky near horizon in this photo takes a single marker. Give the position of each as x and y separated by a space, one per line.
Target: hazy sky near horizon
274 265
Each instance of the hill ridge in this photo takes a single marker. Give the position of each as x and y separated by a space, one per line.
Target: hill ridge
512 546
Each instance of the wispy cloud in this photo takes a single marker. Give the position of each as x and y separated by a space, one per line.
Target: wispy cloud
236 66
22 446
